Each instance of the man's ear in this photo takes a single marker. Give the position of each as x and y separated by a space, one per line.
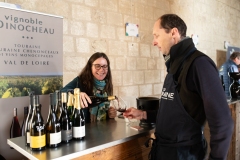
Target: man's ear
174 31
175 34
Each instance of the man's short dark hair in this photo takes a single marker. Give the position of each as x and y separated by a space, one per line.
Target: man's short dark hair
170 21
235 55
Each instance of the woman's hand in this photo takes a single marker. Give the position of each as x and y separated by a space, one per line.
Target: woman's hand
133 113
84 100
112 112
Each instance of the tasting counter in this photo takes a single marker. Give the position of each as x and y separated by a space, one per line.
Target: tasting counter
111 139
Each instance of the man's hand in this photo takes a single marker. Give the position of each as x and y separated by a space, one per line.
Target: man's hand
133 113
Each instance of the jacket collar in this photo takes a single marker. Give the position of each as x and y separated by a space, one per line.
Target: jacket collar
178 53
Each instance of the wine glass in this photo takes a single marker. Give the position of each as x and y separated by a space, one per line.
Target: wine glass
121 106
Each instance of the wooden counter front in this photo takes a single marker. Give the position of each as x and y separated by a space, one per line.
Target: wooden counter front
234 149
131 150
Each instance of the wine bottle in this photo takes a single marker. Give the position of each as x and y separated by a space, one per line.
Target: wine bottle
65 121
97 100
15 126
37 127
29 118
222 82
58 107
24 121
70 103
53 129
78 119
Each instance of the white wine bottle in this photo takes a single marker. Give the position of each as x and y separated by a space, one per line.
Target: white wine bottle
58 108
37 127
29 118
65 121
78 119
70 104
53 128
24 121
98 100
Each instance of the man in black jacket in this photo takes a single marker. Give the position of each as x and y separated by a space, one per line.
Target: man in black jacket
192 93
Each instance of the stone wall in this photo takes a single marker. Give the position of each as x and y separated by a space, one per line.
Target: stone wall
137 67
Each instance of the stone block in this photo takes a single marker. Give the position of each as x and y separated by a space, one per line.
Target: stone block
77 28
83 45
112 62
161 64
111 5
114 18
117 48
120 63
126 7
138 77
92 30
133 49
117 78
148 12
115 91
80 12
146 25
99 16
157 76
65 26
139 10
141 63
92 3
131 63
157 89
107 32
68 44
145 50
163 76
127 78
155 51
75 64
152 63
131 91
145 90
99 45
149 76
131 19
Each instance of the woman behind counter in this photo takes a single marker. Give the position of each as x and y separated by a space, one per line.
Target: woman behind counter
94 79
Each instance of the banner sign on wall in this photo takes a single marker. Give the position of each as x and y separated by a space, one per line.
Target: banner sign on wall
31 52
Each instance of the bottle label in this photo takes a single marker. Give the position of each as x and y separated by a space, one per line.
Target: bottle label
55 138
79 132
38 141
28 137
66 135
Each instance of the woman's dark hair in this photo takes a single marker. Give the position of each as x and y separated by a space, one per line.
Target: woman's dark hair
170 21
87 78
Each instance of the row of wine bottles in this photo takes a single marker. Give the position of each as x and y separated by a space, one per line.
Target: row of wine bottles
65 120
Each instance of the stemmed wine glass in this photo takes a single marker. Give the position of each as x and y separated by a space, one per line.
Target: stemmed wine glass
121 106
